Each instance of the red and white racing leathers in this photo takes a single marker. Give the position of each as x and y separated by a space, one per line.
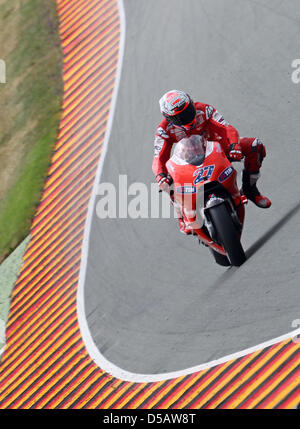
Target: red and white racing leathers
211 124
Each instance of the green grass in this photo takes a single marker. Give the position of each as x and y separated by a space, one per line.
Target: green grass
30 105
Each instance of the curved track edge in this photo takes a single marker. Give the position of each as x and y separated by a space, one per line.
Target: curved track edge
48 361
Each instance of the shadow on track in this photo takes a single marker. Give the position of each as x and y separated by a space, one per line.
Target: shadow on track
272 231
258 244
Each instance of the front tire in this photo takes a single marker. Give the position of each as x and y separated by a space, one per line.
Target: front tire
220 259
227 234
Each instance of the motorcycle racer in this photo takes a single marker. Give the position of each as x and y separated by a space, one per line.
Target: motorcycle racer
183 118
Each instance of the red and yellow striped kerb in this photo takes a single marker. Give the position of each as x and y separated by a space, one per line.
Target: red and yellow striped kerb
45 363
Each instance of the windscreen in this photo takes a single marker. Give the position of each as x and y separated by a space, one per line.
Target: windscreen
191 150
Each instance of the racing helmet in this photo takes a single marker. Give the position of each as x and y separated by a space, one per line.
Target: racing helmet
179 109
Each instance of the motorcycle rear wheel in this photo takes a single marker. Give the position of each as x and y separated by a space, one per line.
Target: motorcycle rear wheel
227 234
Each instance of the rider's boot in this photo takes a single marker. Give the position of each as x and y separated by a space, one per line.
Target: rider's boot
249 189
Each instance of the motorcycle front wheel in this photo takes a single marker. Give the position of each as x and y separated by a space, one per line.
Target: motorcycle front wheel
220 259
227 234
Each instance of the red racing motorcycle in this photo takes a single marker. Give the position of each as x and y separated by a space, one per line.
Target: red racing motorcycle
207 197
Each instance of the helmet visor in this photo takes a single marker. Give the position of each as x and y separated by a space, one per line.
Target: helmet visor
185 117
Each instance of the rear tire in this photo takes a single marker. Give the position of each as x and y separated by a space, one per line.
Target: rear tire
227 234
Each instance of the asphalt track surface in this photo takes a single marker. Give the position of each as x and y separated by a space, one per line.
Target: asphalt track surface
155 300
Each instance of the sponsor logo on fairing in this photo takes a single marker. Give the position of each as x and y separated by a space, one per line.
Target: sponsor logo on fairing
225 174
186 190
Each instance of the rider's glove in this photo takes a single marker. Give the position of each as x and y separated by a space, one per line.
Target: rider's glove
164 181
235 152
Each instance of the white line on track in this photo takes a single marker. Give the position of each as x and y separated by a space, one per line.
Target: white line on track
92 349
